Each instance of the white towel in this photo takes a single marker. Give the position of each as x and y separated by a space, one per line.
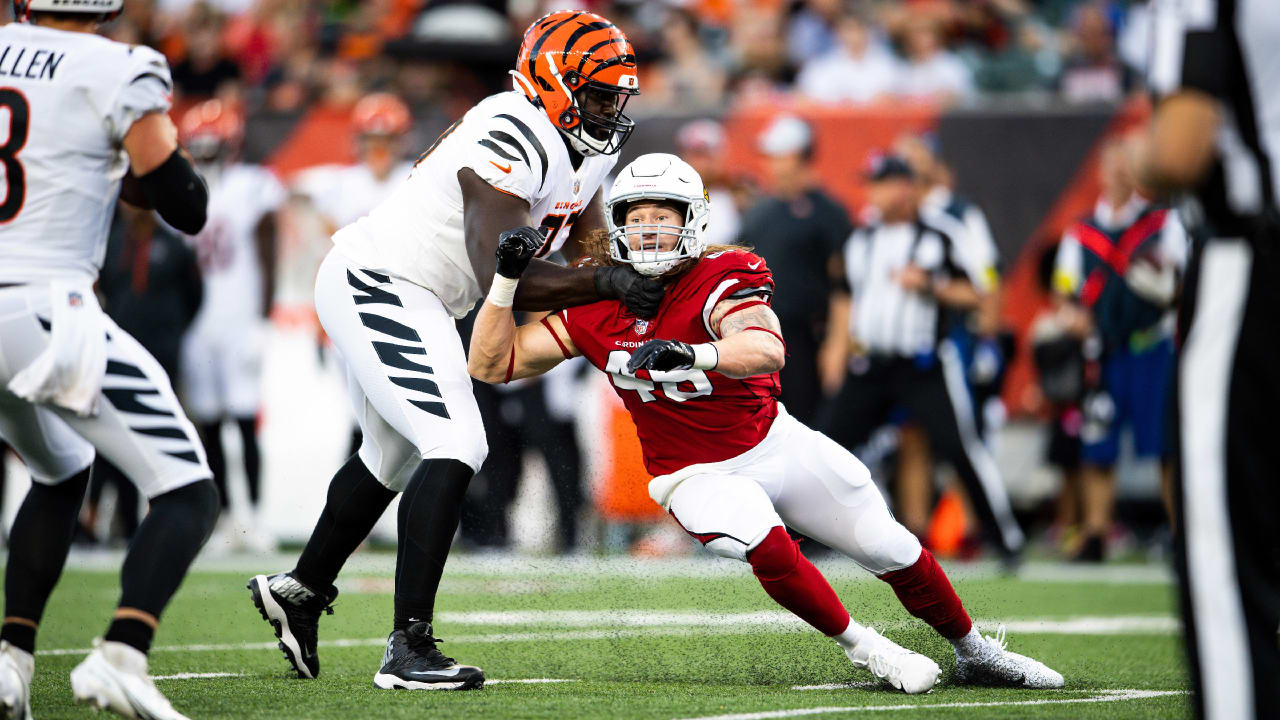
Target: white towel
69 372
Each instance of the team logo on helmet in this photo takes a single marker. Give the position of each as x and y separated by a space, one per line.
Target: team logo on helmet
579 68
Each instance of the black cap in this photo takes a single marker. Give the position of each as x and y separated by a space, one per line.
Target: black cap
887 167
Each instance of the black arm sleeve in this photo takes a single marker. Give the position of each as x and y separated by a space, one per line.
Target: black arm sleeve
178 193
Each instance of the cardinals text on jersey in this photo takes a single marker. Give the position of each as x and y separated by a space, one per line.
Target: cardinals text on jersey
417 233
68 98
683 417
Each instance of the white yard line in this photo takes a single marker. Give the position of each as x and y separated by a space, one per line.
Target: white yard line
780 620
839 686
621 618
655 623
514 566
1098 696
1116 625
196 676
528 681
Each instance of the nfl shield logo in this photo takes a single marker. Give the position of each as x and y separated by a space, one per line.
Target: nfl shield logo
642 327
75 299
577 185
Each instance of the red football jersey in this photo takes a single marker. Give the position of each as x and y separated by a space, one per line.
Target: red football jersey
683 417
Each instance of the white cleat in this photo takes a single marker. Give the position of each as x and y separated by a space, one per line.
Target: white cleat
114 677
16 668
996 666
893 664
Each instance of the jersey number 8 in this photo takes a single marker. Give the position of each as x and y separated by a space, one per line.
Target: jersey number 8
15 177
669 380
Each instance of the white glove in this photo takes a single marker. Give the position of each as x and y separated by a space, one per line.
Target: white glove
1154 283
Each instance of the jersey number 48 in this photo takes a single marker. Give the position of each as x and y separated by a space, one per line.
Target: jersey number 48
669 380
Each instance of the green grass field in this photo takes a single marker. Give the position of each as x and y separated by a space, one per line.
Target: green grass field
690 638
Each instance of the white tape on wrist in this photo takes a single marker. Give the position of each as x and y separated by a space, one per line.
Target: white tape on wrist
503 291
705 356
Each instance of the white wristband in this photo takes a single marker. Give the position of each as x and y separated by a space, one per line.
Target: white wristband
705 356
503 291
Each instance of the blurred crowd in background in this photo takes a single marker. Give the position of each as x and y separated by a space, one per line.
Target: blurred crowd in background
281 55
385 62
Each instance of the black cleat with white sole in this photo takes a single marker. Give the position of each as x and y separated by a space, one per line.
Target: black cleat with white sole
293 608
413 662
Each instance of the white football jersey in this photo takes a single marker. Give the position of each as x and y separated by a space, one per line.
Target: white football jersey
67 99
227 248
346 193
416 234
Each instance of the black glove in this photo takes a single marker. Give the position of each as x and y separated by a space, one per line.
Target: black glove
661 355
640 294
516 248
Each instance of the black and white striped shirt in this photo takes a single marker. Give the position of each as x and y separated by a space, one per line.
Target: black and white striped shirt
1229 49
886 318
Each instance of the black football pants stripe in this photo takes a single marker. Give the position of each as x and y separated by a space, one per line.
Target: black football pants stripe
403 354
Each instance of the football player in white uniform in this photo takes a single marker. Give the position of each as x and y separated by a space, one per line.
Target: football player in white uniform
342 194
222 352
82 110
388 295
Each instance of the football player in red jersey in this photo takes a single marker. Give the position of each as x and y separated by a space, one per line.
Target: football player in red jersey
730 465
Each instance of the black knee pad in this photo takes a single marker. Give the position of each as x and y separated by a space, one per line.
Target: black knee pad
70 490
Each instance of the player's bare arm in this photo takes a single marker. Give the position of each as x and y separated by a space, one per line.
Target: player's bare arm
751 344
500 351
150 141
489 212
163 174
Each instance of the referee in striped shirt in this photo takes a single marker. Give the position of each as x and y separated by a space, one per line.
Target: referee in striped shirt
902 271
1216 132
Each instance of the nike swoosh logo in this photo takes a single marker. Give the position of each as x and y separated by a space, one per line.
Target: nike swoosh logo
437 673
506 169
752 266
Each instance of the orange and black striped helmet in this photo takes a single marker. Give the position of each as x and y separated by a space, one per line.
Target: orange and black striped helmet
580 69
380 113
212 130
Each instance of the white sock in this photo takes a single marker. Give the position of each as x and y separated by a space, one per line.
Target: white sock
851 635
970 645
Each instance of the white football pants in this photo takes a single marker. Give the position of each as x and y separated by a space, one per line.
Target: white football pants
139 427
406 370
796 477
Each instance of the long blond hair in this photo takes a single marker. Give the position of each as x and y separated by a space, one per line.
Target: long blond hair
596 253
